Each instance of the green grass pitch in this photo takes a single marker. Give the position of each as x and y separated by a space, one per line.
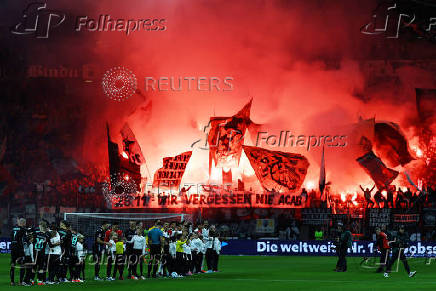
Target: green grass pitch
263 273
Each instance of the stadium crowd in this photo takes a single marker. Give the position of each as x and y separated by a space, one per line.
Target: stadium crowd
53 254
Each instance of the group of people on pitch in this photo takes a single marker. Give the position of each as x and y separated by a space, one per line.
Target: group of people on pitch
169 249
53 249
395 247
51 254
394 244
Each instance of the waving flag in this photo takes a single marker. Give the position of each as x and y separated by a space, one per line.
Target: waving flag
277 171
170 175
391 144
226 137
376 169
131 145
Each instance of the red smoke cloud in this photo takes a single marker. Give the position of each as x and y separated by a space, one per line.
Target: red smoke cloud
301 62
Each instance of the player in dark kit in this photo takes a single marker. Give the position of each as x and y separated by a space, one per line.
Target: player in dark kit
41 238
129 248
343 242
99 248
74 260
383 246
26 272
65 234
17 247
401 241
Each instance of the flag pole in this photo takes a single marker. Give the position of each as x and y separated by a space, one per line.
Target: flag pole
322 174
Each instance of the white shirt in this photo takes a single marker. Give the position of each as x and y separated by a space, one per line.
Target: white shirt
47 247
208 242
56 250
79 250
138 243
113 248
186 249
172 246
28 250
197 245
217 246
205 234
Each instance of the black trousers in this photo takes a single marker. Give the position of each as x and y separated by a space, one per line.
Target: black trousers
130 260
134 259
81 268
119 265
189 263
212 260
54 270
395 255
341 265
197 259
166 260
72 266
181 264
98 257
64 265
384 258
216 257
28 270
110 261
155 256
41 265
17 258
170 263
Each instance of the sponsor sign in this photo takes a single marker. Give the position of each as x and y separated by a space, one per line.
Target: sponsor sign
5 245
317 248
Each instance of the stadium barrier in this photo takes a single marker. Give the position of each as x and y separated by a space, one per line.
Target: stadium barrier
315 248
298 248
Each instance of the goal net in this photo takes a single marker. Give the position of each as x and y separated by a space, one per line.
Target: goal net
88 223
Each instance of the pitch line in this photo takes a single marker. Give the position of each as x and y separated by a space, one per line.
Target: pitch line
318 281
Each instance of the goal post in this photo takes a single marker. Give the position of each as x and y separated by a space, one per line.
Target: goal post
88 223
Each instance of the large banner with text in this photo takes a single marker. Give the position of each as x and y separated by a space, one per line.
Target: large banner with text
316 248
211 200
